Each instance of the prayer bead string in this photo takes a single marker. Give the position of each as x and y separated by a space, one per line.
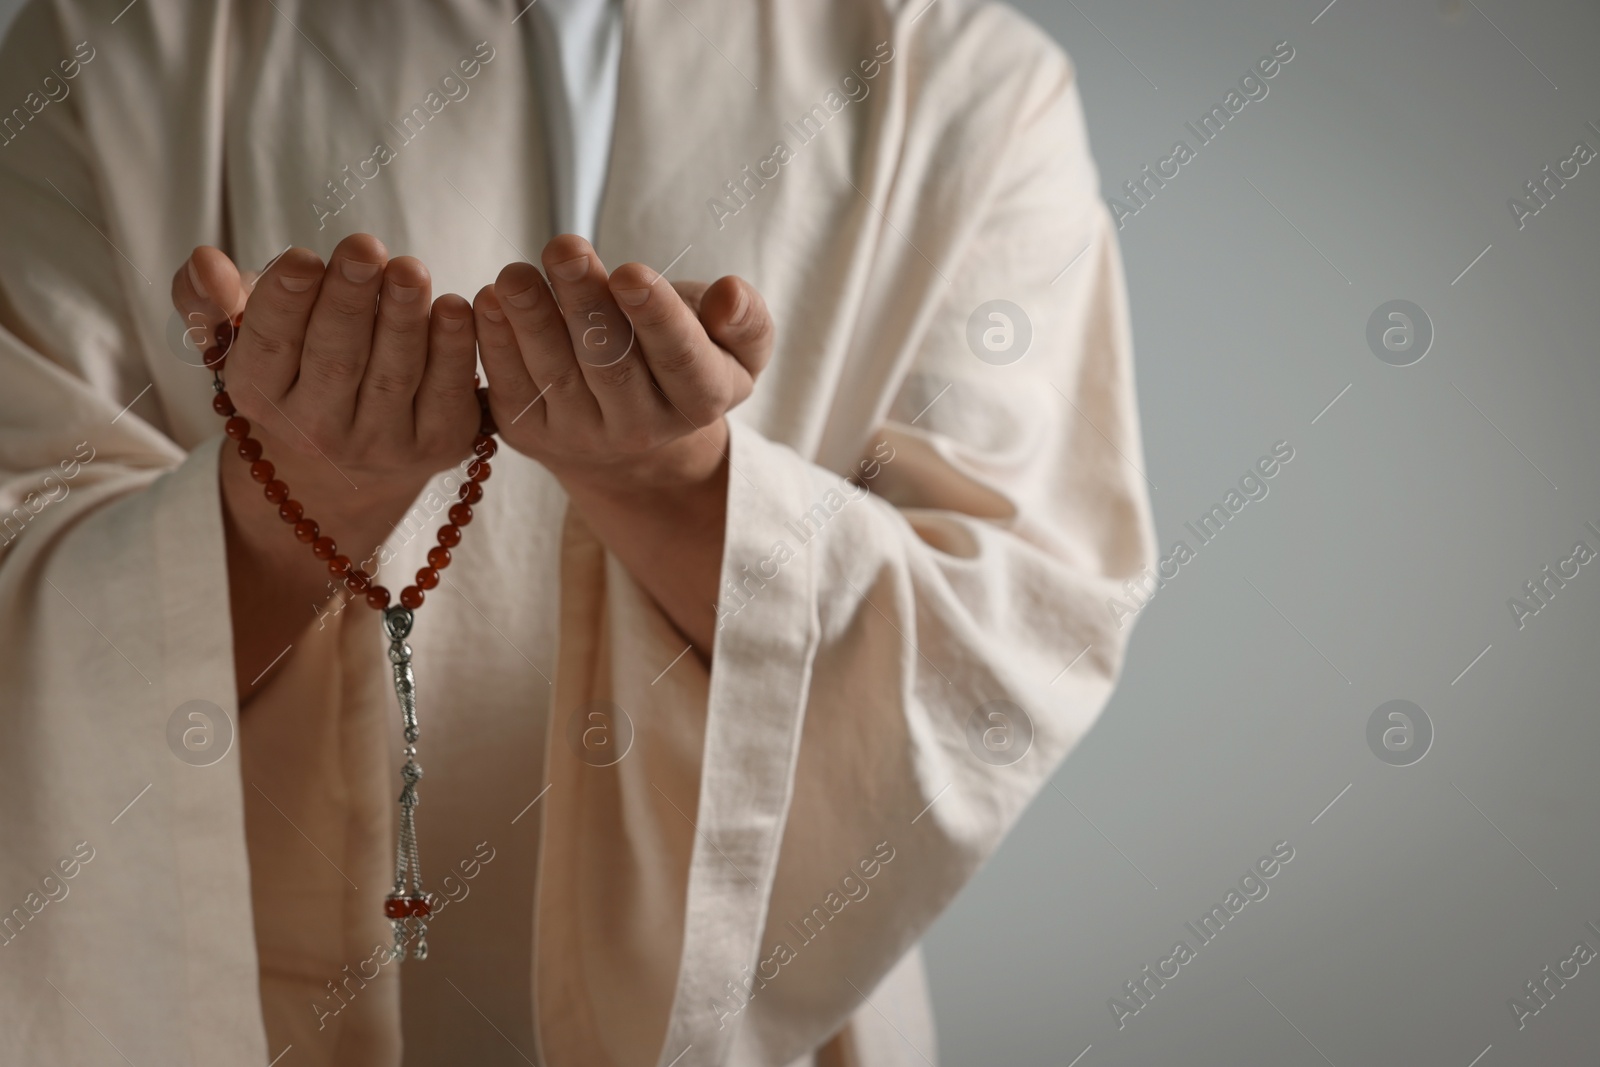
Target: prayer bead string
405 902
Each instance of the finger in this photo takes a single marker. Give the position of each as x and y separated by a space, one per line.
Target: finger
513 394
735 315
446 405
339 335
399 352
267 354
602 337
545 344
699 380
206 292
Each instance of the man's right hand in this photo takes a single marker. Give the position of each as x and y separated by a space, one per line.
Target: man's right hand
357 394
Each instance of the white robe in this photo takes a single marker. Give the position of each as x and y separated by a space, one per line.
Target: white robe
628 911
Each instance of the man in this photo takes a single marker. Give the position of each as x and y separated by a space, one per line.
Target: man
821 635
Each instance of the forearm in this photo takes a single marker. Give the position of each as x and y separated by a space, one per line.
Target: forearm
667 530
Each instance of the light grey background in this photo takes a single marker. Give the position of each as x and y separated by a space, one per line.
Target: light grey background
1378 567
1390 144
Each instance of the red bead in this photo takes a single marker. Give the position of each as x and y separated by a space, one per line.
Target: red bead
276 492
411 598
484 447
214 357
262 471
460 514
377 597
397 908
225 335
338 565
291 511
449 536
427 578
479 471
306 531
358 582
237 428
250 449
438 557
222 404
238 320
420 907
324 548
471 493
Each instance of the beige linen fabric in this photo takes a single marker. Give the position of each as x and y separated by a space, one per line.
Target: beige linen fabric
747 885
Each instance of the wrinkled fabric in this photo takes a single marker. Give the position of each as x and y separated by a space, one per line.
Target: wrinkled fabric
916 537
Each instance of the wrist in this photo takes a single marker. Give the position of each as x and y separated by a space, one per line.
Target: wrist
688 467
356 508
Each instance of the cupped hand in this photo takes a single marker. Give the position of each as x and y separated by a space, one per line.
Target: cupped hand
617 381
346 377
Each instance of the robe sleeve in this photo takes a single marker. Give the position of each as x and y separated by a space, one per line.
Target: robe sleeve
113 615
905 653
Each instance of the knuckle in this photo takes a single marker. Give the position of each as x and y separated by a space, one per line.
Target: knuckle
451 392
406 325
617 375
677 356
392 382
565 381
273 347
757 330
329 370
545 317
339 302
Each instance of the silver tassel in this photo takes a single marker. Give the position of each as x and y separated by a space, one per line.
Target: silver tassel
412 899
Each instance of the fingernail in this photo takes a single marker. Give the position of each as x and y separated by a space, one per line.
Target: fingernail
403 293
524 299
194 281
632 297
356 271
740 309
492 312
572 269
295 284
451 325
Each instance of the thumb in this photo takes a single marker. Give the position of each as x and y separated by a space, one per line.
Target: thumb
207 291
